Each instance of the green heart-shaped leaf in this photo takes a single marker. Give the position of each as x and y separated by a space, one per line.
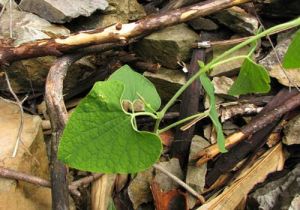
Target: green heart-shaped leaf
99 137
292 57
136 85
253 78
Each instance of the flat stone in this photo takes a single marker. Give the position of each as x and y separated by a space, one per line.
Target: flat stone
222 85
166 81
238 20
292 132
195 176
287 77
6 3
201 23
282 193
229 68
30 75
28 27
62 11
167 46
31 158
117 12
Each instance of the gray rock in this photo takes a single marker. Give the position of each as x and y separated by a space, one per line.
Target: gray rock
195 176
28 27
237 20
201 23
166 81
292 132
6 4
291 77
222 85
29 75
295 204
279 194
62 11
117 12
167 46
229 68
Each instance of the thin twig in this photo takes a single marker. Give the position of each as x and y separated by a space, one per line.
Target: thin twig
73 187
22 143
10 20
19 103
180 182
20 176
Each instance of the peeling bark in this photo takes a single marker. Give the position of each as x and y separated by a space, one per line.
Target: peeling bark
115 33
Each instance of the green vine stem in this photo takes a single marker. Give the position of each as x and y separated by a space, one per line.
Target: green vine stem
202 115
229 59
214 62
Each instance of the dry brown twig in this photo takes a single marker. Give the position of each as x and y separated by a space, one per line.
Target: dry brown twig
254 126
115 33
180 182
73 186
10 20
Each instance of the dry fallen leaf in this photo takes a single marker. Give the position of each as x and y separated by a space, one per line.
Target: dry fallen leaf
231 197
139 189
167 137
171 200
164 181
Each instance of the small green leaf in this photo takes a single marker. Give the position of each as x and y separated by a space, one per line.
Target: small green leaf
291 59
209 88
111 205
253 78
99 137
136 85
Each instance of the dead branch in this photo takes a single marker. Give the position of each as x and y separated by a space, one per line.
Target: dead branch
58 118
114 33
229 160
20 176
251 128
189 105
